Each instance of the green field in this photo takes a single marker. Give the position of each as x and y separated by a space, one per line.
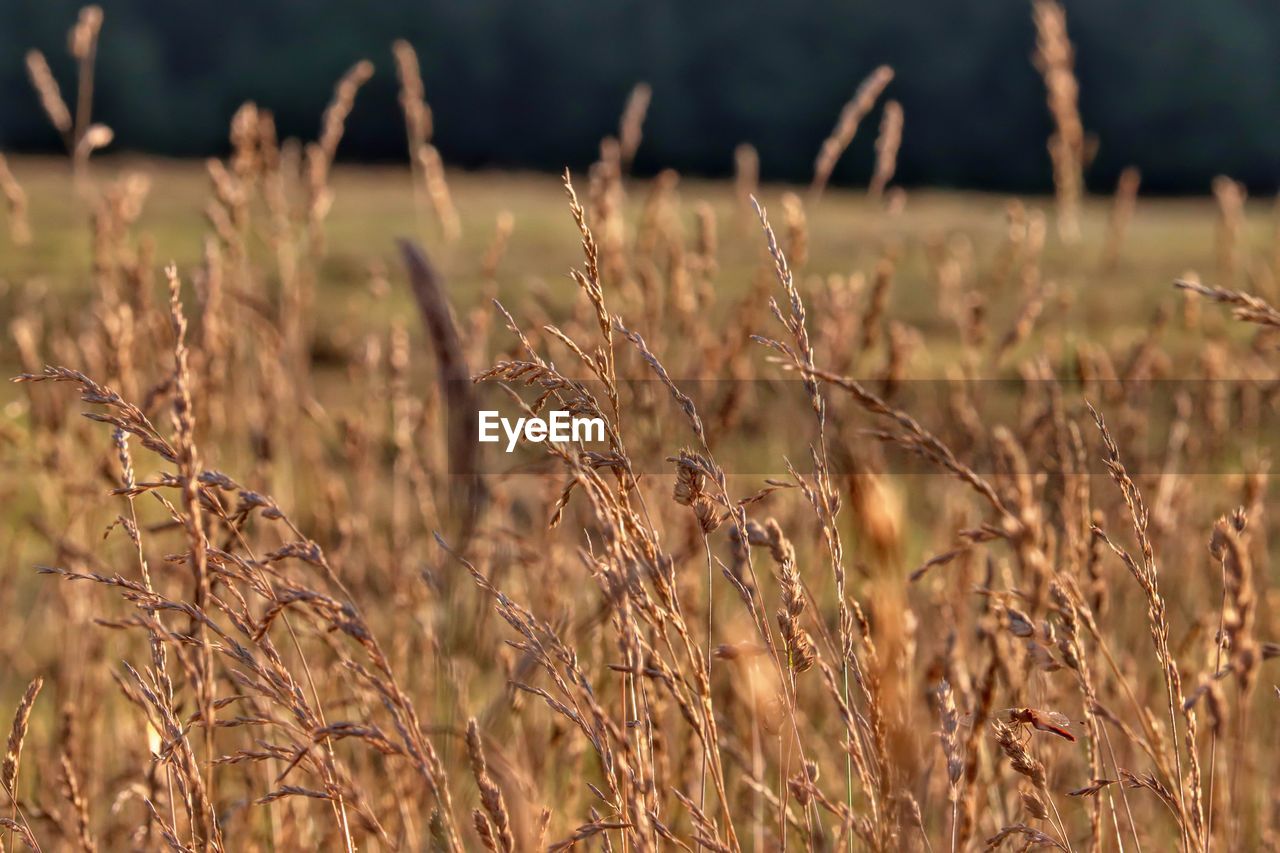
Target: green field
847 233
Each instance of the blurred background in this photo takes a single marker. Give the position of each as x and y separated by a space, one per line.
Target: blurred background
1182 89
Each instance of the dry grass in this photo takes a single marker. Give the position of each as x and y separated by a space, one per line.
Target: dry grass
831 599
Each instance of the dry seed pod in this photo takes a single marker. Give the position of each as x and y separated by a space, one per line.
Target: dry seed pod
1056 59
1019 624
46 87
1033 804
950 723
417 115
802 654
847 125
887 148
95 137
83 37
688 491
1019 759
490 795
17 734
631 124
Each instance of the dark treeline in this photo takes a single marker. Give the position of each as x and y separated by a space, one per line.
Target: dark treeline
1181 88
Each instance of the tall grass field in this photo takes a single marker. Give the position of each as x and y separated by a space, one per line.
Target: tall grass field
921 520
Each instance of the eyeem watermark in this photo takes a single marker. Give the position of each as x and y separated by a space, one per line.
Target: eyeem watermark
558 426
761 423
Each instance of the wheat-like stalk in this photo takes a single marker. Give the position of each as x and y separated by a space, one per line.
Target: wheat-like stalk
847 126
631 124
1055 57
19 225
851 589
887 145
1249 308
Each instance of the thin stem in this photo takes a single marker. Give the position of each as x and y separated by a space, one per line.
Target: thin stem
1213 734
1059 825
706 545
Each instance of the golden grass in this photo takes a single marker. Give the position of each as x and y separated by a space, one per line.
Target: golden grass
285 600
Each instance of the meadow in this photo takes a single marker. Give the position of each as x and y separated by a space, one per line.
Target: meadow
991 569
